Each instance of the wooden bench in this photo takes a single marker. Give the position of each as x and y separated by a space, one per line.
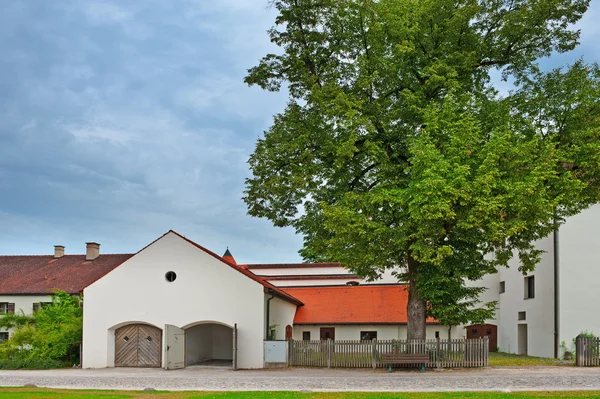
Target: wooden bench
405 358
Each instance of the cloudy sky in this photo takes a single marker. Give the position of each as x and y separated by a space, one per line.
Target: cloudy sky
120 120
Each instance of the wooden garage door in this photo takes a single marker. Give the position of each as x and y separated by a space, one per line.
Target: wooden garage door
138 345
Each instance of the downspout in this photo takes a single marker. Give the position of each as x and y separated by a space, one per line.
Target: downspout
556 293
270 291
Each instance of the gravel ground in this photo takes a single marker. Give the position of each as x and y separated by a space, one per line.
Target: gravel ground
298 379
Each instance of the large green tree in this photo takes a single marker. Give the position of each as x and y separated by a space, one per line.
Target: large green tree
396 150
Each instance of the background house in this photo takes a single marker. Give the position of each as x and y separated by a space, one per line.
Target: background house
28 281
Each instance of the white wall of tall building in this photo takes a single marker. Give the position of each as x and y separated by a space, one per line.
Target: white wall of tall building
384 332
539 311
579 275
205 290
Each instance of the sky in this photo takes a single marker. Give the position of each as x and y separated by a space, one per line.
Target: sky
121 120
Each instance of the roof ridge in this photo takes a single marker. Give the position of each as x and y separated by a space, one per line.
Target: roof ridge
245 272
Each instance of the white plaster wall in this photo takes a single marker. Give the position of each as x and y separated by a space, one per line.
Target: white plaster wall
386 277
222 338
579 272
310 282
282 313
539 310
205 290
384 332
23 303
198 344
299 271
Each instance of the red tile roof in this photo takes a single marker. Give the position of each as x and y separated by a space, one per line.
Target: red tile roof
42 274
363 304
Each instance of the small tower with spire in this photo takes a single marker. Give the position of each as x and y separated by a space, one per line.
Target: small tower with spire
229 257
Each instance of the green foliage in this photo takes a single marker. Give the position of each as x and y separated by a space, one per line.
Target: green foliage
396 150
48 338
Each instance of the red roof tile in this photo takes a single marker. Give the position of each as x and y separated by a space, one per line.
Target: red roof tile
363 304
42 274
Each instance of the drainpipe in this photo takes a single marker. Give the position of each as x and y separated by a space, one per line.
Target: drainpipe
556 293
270 291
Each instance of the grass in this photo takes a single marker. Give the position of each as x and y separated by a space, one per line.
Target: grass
501 359
35 393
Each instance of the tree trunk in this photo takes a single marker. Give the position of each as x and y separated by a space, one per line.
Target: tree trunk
416 308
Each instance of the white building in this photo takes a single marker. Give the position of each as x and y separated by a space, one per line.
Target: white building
556 302
176 304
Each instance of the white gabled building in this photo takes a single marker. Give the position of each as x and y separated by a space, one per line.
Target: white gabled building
176 304
558 300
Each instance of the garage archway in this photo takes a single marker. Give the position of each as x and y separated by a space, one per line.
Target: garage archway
138 345
209 344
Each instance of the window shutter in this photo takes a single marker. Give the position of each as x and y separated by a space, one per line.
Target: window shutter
11 308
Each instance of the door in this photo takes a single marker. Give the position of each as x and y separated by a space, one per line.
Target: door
484 330
235 347
175 347
522 337
288 332
138 345
327 333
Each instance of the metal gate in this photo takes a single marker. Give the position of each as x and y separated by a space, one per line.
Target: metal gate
138 345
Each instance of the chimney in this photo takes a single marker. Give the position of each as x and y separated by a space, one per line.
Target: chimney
92 250
59 251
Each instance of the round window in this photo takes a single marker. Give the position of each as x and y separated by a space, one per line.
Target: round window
170 276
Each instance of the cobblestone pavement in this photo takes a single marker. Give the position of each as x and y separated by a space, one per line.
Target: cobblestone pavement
298 379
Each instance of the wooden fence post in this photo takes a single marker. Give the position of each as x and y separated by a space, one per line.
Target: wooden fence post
437 353
486 351
374 353
578 351
328 353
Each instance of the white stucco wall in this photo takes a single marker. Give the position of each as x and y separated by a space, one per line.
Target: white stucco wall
205 290
282 314
579 272
23 303
384 332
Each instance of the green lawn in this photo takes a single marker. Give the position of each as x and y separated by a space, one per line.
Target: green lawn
35 393
499 359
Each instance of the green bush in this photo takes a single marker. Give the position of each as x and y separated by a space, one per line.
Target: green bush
31 364
49 338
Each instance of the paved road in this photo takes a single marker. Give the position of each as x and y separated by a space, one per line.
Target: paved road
298 379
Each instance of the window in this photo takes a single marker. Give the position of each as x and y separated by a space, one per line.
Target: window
6 307
368 335
437 334
37 306
529 287
170 276
306 335
502 287
3 336
522 316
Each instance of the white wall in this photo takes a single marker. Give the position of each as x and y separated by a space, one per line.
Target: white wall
198 344
539 310
579 274
24 303
205 290
384 332
281 313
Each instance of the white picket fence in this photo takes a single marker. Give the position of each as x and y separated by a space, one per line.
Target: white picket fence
367 354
